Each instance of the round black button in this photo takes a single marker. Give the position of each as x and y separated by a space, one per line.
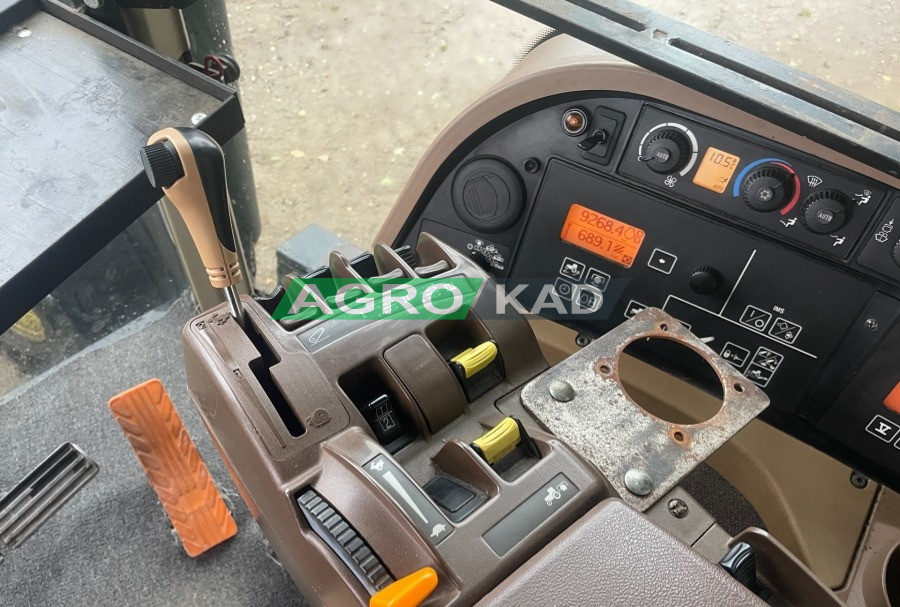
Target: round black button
767 189
487 194
705 280
825 212
667 151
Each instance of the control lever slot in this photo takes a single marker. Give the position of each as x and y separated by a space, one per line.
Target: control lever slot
261 367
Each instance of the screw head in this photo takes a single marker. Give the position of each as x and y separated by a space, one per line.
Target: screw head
859 480
582 340
871 324
198 118
677 508
532 165
561 391
638 482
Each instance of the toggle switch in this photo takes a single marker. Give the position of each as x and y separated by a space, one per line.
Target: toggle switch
478 369
383 418
502 439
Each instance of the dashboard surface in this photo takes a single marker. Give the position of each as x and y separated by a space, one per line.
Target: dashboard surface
785 264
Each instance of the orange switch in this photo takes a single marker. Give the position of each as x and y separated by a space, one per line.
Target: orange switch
892 400
409 591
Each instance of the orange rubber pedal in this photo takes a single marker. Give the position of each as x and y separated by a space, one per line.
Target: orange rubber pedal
173 466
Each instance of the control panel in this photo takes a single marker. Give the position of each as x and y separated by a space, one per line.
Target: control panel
790 199
786 265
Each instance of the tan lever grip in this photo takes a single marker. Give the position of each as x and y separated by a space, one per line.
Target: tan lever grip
201 196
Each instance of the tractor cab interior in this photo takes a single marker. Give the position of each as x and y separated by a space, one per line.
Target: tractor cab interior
629 335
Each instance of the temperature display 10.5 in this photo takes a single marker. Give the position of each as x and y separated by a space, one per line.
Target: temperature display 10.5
716 169
602 235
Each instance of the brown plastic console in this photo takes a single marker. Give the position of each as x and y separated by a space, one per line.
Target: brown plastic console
616 556
282 403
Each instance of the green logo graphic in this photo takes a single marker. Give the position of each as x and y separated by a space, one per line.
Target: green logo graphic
401 298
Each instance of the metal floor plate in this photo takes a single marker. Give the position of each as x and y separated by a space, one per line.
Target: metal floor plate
604 425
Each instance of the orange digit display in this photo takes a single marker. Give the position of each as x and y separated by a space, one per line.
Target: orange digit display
715 170
601 235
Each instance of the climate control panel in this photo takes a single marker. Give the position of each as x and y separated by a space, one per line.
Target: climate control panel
779 193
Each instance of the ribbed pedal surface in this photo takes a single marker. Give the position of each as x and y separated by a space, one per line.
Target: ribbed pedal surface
39 495
173 466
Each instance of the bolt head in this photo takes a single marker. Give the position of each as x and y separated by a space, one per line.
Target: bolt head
198 118
871 324
638 482
561 390
677 508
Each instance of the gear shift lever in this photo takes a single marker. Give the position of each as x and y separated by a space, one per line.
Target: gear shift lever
189 167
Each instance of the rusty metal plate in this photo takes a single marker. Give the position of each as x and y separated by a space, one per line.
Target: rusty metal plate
604 425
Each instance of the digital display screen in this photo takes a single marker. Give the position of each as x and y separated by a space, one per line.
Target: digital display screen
715 170
601 235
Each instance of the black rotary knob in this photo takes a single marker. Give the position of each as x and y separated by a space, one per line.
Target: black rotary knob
667 151
825 212
767 189
895 254
705 280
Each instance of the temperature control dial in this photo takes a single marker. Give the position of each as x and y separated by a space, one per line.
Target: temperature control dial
825 212
667 151
767 189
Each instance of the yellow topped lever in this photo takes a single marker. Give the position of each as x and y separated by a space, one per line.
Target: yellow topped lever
189 166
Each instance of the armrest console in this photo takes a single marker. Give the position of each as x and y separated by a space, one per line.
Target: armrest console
623 559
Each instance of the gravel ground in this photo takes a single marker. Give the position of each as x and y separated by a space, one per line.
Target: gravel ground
343 98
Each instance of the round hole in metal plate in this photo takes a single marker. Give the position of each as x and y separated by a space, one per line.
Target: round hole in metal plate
670 381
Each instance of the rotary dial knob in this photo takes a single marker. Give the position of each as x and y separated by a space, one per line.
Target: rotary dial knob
767 189
825 212
667 151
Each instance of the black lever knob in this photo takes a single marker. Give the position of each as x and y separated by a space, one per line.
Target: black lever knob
705 280
161 164
740 563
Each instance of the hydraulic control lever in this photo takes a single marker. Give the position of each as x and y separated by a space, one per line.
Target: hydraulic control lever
189 166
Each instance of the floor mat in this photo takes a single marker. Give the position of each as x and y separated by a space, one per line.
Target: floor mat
112 544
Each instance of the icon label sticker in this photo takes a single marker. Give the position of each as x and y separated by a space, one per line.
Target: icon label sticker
564 288
785 330
589 299
633 308
571 269
763 366
735 354
883 428
662 261
767 359
597 279
755 318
